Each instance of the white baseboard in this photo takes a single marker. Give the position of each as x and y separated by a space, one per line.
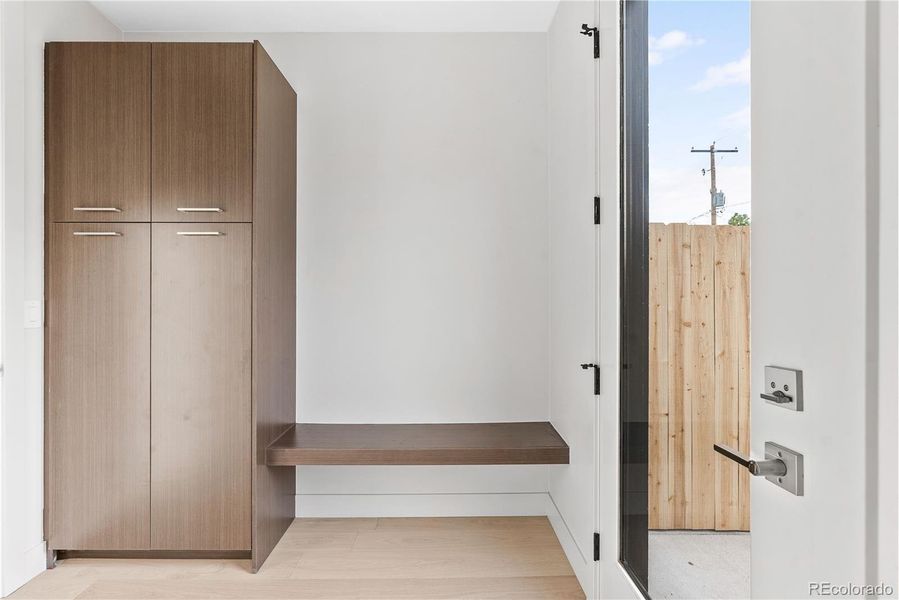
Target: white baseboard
20 570
580 562
421 505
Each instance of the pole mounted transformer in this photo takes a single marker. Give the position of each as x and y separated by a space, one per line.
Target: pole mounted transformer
717 198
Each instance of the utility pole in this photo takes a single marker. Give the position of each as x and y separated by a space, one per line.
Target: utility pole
714 189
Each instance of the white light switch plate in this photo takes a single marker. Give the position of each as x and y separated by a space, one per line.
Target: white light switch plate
34 318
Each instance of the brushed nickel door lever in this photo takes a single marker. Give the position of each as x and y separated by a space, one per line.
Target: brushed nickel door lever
782 467
775 467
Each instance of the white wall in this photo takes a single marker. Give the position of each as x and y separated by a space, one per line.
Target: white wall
422 248
25 28
887 222
817 215
572 178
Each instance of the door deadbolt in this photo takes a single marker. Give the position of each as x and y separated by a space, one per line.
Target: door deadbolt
783 387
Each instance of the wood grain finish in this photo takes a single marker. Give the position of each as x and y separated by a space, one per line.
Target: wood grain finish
698 375
378 588
661 501
743 353
415 559
201 428
154 554
274 298
419 444
202 102
97 130
223 125
98 387
680 389
701 354
731 350
726 378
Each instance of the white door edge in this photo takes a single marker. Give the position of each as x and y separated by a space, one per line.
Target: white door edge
612 581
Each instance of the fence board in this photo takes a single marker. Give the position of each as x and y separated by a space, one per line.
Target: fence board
727 369
679 393
660 501
743 347
698 375
702 357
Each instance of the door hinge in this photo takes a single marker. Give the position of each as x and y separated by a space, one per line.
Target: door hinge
595 546
596 212
594 33
595 368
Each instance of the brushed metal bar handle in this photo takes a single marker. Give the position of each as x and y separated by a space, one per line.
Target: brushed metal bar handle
766 468
96 233
96 209
200 233
207 209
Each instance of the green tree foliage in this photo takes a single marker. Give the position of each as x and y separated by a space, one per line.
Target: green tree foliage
739 219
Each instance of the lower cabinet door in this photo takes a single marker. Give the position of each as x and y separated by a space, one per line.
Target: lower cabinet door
98 386
201 386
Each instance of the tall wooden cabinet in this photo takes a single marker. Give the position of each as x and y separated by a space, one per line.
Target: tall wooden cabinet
170 291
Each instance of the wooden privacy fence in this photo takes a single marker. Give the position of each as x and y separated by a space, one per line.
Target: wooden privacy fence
698 375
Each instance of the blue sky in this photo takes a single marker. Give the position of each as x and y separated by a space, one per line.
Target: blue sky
698 93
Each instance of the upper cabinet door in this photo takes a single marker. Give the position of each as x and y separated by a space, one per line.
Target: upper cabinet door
202 132
98 131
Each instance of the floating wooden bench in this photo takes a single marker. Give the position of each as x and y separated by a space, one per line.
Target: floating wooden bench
419 444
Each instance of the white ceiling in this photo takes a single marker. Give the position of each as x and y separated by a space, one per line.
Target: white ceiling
331 15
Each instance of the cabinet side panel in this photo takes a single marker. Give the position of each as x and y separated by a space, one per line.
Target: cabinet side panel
98 386
274 298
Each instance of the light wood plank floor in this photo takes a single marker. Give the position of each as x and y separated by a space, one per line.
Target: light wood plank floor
505 557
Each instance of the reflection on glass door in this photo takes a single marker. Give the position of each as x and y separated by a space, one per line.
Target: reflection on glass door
634 230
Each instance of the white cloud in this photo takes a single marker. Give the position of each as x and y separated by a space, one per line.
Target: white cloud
737 122
732 73
662 48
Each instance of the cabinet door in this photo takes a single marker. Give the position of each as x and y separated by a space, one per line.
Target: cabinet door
98 131
201 424
98 386
202 132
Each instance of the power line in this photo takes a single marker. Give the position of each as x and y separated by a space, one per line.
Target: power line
705 212
713 190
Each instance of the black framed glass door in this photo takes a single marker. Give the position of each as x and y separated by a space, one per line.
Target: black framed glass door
634 418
